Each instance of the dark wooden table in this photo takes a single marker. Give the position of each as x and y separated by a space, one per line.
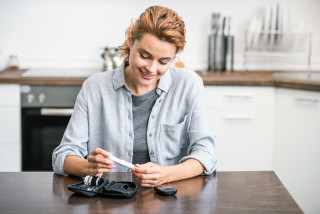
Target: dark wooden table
223 192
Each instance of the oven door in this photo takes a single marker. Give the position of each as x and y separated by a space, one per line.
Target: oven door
42 131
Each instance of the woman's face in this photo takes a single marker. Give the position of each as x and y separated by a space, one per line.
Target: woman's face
149 60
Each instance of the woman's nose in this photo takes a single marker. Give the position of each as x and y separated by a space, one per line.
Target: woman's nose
152 67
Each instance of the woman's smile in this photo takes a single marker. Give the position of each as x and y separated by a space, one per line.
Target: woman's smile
146 76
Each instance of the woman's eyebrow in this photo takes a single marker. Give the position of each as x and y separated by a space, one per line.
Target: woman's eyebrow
146 52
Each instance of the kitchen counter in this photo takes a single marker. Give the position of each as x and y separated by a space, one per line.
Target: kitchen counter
237 78
15 77
287 79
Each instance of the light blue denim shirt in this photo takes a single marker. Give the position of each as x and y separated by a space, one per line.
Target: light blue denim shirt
177 127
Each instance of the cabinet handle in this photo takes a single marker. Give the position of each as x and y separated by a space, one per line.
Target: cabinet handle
240 95
56 111
305 99
238 117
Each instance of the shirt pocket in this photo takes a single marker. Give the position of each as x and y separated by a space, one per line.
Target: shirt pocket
174 140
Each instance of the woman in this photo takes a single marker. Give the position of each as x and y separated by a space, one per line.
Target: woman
145 111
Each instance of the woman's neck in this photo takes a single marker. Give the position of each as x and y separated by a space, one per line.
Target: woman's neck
132 83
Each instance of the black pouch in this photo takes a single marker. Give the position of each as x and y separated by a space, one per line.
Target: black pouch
123 189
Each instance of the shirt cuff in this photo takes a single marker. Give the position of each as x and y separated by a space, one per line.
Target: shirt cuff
205 158
58 166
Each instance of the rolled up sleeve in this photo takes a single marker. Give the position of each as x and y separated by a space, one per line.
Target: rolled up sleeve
202 148
75 138
201 141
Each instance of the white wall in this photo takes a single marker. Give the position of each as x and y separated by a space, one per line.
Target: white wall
70 33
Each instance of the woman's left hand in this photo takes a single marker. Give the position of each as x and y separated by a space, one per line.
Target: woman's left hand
150 174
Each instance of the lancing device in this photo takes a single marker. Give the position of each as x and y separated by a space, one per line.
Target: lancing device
121 162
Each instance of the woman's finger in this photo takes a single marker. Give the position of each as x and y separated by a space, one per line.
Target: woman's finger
99 159
100 151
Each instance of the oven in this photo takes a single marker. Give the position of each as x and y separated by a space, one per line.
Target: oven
45 113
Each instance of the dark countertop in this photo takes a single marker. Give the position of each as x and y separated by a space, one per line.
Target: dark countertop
14 77
222 192
236 78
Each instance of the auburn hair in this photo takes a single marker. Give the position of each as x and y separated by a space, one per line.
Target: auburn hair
159 21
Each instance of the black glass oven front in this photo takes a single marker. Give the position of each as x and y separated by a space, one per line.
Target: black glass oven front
45 114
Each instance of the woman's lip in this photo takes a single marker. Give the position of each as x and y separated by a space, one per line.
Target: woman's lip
145 75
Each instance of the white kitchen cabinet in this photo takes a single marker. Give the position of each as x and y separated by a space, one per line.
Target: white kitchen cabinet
242 118
10 137
297 145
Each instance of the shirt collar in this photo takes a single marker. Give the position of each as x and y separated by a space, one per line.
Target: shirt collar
165 81
119 79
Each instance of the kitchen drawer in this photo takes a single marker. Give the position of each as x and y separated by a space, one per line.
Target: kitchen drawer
307 101
10 158
10 125
239 97
244 139
9 95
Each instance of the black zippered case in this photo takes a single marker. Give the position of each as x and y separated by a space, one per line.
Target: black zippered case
121 189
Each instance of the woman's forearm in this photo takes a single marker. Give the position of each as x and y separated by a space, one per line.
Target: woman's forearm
76 166
188 169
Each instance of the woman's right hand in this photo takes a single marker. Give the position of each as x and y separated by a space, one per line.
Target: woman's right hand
98 163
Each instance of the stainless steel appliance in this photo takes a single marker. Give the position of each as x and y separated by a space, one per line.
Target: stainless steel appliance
45 114
111 58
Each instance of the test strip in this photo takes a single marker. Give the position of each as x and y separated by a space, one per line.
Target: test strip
121 162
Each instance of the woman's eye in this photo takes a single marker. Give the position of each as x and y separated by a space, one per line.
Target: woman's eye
143 56
162 62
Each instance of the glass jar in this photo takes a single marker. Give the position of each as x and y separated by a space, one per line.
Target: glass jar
13 62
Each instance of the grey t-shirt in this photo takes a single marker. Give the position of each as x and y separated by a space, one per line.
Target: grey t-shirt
141 108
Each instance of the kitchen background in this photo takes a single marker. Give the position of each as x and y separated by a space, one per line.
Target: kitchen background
272 128
72 33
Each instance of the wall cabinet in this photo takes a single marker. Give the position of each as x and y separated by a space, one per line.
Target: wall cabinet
242 118
10 137
297 145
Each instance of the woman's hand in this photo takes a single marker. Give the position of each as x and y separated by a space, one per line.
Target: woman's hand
150 174
98 163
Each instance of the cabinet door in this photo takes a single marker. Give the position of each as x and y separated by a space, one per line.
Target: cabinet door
9 113
10 158
297 147
244 139
10 134
10 125
9 95
242 119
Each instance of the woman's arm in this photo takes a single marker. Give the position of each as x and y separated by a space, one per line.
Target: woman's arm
74 165
151 174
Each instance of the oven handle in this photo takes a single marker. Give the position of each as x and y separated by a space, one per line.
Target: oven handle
56 111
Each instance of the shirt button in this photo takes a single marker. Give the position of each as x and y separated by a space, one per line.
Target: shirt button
160 101
153 116
152 153
130 134
150 134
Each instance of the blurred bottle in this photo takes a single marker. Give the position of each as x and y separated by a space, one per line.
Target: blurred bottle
13 62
